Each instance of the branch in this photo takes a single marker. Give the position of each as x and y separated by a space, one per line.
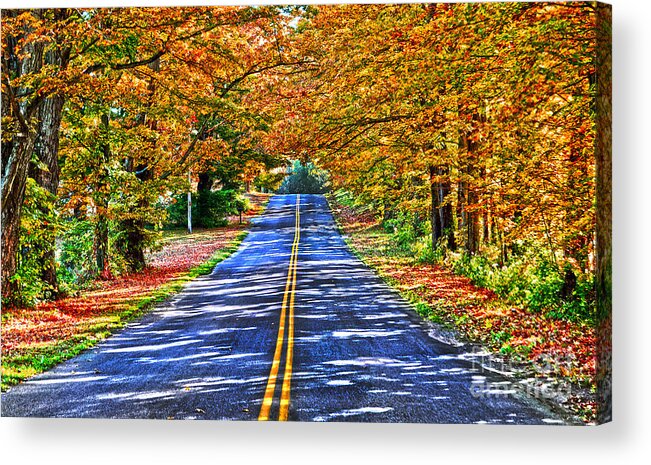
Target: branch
120 66
188 151
254 70
16 107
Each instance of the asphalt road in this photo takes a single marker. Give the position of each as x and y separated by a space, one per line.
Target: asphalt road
292 326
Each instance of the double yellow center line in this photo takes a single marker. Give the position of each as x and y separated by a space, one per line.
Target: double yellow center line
287 309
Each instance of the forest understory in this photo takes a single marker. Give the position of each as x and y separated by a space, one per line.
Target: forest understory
551 358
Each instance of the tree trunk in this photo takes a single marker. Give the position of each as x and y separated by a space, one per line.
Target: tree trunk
504 253
101 239
134 253
603 153
441 214
461 207
100 246
468 218
472 224
437 229
447 223
473 172
204 188
17 145
46 172
486 237
135 228
13 193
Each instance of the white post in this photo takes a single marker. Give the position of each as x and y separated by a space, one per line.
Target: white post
190 201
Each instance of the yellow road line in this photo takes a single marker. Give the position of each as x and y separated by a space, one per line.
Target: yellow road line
287 380
290 287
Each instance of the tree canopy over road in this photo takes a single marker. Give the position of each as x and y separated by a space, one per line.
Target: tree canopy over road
477 134
475 122
104 113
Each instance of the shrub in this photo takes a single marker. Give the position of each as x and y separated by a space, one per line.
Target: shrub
532 281
305 179
210 209
76 259
407 229
268 182
177 211
38 229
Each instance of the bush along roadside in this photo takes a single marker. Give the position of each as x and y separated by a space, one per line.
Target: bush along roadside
546 354
34 340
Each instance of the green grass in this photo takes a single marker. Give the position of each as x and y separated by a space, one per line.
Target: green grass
17 368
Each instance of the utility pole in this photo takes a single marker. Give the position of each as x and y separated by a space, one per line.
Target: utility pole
190 201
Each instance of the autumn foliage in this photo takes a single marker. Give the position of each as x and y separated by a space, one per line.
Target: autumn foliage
475 118
107 110
467 131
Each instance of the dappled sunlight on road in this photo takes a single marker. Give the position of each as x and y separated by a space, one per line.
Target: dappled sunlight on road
360 353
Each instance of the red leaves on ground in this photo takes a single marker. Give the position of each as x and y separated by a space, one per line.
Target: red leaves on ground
543 339
61 319
478 313
57 321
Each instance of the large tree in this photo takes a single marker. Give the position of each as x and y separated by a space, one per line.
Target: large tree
140 80
478 115
36 50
